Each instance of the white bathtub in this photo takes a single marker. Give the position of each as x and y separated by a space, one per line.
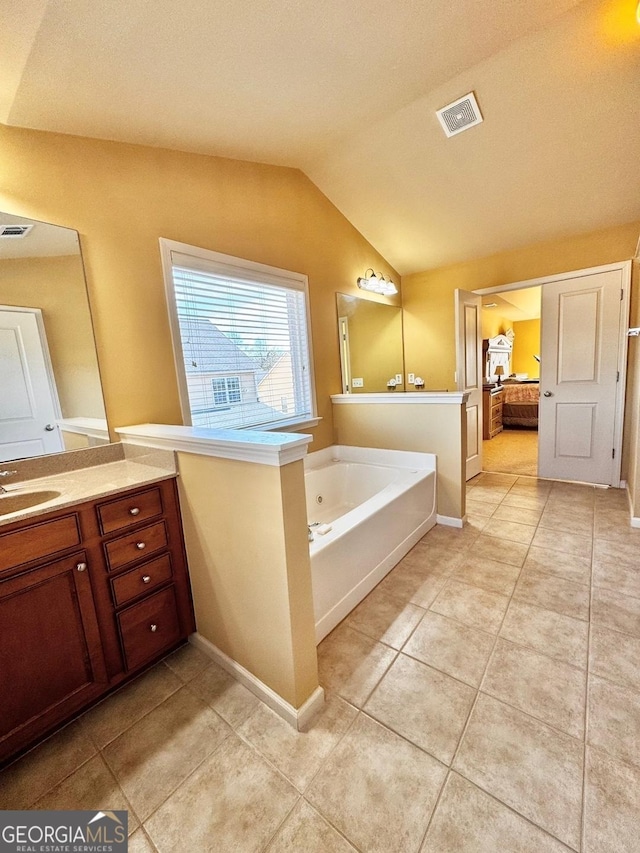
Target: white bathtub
378 503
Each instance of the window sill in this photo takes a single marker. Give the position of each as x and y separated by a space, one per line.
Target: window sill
289 426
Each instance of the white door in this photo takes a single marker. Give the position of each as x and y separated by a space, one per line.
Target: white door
580 390
469 372
28 406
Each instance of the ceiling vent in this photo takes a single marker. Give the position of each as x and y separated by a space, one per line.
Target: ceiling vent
13 231
460 115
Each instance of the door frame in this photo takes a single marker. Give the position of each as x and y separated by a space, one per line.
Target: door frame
623 344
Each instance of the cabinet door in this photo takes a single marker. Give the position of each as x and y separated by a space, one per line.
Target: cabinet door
51 661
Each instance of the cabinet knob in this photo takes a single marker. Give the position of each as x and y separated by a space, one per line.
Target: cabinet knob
146 578
140 546
153 628
134 510
81 567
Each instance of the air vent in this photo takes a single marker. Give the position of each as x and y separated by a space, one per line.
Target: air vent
460 115
13 231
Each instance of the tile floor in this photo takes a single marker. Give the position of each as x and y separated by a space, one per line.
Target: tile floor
484 697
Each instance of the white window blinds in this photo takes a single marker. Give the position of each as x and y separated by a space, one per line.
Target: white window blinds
244 340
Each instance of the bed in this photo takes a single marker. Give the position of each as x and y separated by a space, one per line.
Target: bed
520 404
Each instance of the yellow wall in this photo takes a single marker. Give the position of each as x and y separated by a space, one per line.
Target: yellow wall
122 198
375 344
246 535
57 287
437 428
428 296
526 344
493 324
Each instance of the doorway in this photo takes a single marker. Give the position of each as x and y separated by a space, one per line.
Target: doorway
511 340
582 357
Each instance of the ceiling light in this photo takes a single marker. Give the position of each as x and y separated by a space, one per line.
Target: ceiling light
377 283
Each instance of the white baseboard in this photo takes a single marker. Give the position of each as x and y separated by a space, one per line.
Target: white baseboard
450 521
297 717
635 521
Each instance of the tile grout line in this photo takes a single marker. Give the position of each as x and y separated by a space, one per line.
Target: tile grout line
583 811
473 706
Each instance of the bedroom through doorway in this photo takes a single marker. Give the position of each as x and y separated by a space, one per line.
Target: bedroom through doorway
511 389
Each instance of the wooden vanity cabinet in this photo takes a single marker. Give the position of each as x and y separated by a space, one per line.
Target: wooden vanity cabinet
83 607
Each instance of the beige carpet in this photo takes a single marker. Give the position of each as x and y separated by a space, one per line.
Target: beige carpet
513 451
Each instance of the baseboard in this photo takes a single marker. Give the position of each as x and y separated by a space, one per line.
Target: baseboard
450 521
635 521
297 717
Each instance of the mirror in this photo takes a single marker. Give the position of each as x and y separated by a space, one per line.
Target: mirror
51 398
371 351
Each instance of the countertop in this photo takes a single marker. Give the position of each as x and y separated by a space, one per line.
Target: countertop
81 485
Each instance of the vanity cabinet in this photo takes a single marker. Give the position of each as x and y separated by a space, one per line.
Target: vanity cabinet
88 597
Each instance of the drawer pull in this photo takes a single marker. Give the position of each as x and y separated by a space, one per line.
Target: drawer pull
146 578
140 546
81 567
153 628
134 510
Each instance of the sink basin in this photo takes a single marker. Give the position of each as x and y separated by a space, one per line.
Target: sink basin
15 501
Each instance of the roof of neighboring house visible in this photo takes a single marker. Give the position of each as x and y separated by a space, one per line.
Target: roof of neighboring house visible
208 350
252 414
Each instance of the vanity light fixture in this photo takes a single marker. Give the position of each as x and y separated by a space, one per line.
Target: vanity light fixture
377 283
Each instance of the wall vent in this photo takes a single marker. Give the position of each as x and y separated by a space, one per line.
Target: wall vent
460 115
13 231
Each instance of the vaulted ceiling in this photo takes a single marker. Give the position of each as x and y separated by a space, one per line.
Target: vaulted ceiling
346 90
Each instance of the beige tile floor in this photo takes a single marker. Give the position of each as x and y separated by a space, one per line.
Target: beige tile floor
484 697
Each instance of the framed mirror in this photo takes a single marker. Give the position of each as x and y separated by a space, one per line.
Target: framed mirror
371 350
51 396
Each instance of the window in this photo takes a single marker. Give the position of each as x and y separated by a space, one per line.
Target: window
226 390
241 338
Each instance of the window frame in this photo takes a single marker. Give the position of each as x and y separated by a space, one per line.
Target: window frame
204 259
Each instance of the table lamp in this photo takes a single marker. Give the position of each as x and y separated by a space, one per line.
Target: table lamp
499 371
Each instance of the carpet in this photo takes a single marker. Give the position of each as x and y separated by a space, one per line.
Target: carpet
512 451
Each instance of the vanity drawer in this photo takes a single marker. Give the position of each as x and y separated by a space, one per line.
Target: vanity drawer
120 514
141 580
147 628
38 540
126 549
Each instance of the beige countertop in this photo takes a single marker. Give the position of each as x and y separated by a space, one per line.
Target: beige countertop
80 485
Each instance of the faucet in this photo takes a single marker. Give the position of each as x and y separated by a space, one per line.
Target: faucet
3 474
308 528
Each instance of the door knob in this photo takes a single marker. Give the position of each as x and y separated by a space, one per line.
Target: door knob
548 394
49 428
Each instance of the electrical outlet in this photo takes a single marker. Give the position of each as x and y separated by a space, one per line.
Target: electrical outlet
357 383
411 378
399 378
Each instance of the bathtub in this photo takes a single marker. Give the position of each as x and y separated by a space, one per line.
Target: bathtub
378 504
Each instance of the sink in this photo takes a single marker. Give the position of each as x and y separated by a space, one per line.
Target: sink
15 501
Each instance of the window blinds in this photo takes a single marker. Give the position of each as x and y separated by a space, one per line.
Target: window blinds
244 344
